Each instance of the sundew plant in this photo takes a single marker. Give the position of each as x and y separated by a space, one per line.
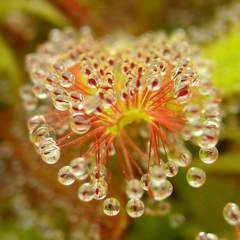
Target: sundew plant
119 120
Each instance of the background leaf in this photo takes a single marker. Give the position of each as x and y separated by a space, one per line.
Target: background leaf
39 8
225 53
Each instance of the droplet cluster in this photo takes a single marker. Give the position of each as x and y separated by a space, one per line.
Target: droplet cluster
231 214
206 236
89 93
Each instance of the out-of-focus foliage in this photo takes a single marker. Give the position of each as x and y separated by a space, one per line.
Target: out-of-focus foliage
9 67
37 8
225 53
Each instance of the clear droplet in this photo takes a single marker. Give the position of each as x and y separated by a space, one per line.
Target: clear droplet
67 79
231 213
79 124
171 168
61 102
145 181
35 122
98 172
157 208
157 175
208 155
162 191
184 158
30 104
80 168
201 236
196 177
111 206
40 133
65 176
176 220
183 94
206 236
154 83
86 192
51 80
40 92
77 100
192 112
50 153
135 208
100 188
208 139
134 189
212 236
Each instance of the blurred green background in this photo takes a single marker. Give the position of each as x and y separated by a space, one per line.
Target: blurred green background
214 25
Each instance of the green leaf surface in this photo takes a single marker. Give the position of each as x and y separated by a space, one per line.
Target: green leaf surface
225 53
38 8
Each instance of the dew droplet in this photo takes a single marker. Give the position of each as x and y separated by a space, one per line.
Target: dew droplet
98 172
61 102
154 83
50 82
193 113
79 168
206 236
40 133
176 220
135 208
208 139
40 92
26 92
45 143
212 236
111 206
79 124
171 169
208 155
231 213
157 208
30 104
100 188
201 236
196 177
134 189
162 191
157 175
184 158
65 176
50 153
145 181
35 122
67 79
76 99
86 192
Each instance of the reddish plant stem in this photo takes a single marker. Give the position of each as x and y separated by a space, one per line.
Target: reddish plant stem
154 144
76 13
134 146
237 230
121 163
126 157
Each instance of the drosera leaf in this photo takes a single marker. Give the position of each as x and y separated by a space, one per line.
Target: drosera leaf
39 8
225 53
